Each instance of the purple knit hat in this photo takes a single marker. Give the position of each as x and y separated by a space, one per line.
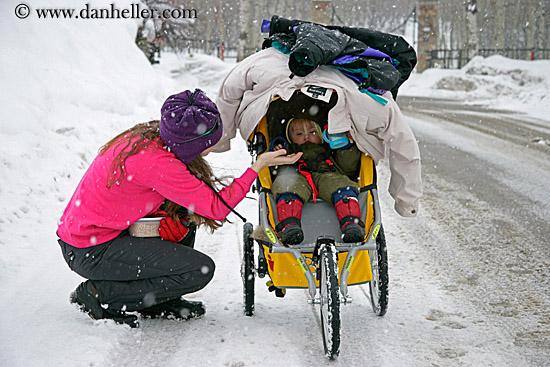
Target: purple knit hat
190 123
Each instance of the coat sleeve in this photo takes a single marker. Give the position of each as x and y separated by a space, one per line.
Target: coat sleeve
404 158
317 45
164 173
229 99
348 160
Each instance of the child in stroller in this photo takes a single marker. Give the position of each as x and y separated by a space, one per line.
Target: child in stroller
323 173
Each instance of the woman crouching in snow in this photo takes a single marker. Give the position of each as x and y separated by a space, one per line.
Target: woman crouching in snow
133 175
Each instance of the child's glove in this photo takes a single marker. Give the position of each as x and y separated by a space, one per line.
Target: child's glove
172 230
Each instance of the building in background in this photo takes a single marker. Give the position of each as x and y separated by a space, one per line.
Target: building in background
427 32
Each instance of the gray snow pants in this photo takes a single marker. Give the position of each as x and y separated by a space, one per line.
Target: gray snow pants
134 273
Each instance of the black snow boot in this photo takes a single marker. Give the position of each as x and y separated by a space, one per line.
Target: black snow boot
178 308
289 228
85 296
348 213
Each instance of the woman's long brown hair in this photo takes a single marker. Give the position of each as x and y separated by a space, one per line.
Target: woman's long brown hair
137 138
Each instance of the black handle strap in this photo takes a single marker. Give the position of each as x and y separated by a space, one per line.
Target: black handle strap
224 202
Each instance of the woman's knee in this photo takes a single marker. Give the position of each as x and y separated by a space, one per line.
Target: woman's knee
208 267
203 273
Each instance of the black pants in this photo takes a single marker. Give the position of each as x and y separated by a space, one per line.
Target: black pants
133 273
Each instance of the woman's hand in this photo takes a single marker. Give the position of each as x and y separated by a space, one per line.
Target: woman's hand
276 158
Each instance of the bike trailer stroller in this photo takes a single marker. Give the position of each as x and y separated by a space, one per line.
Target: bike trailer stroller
322 263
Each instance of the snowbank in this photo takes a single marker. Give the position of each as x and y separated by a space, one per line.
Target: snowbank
66 87
499 82
66 84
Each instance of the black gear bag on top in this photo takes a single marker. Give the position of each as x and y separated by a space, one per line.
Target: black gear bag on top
322 44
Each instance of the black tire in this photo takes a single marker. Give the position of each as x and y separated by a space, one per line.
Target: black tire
378 286
247 270
330 301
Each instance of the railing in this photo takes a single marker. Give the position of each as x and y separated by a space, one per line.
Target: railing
212 47
198 46
457 58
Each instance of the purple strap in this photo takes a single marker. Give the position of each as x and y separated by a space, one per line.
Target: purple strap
376 91
266 24
346 59
355 77
369 52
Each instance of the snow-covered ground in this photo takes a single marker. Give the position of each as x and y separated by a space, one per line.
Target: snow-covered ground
495 82
67 86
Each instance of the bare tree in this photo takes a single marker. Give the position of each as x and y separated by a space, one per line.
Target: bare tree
221 24
496 24
174 27
244 28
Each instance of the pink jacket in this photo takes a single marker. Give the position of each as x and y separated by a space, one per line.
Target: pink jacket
97 214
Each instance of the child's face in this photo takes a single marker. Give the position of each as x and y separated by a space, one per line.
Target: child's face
304 131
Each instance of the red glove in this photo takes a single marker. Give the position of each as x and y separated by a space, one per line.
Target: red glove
174 231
